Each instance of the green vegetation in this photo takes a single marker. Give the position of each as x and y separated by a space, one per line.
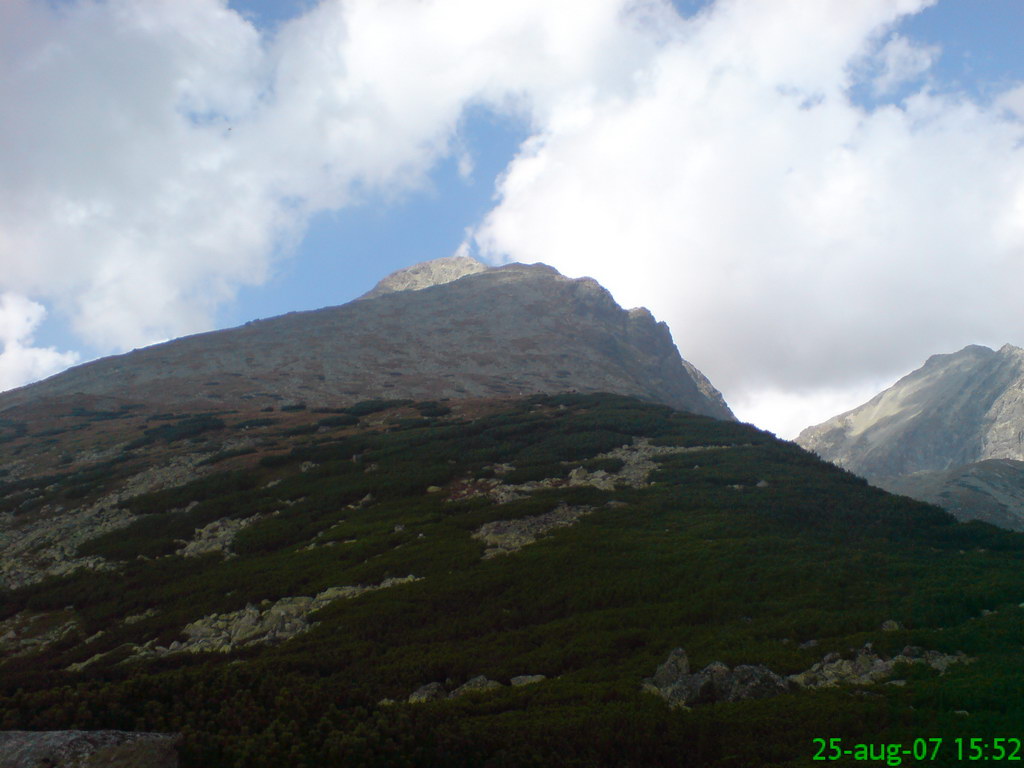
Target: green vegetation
190 426
740 550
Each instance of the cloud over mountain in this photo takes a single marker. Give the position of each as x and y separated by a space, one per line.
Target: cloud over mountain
721 169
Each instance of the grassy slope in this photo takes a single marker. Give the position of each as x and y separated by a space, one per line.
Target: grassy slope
741 575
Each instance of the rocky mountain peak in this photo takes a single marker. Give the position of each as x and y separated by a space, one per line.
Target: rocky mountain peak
1008 350
447 328
426 274
955 411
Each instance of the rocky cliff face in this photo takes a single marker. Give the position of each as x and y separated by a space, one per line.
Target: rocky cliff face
448 328
935 433
954 410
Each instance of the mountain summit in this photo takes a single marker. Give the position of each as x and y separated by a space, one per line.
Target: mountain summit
955 409
445 328
951 432
425 275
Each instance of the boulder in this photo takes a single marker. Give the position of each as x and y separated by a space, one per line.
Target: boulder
674 682
476 684
677 665
428 692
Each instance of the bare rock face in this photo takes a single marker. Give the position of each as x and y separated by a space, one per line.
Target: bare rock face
954 410
444 329
951 433
87 749
425 275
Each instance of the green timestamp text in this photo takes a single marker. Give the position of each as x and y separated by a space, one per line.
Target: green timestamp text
921 750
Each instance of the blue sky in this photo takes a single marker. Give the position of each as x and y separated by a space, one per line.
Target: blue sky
815 197
345 253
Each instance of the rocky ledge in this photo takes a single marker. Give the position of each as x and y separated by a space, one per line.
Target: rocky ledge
674 682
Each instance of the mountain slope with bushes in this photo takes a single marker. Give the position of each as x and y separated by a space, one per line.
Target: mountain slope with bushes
278 585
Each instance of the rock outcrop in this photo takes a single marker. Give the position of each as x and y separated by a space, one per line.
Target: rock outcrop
867 667
478 684
450 328
87 749
45 542
716 682
426 275
267 623
31 631
638 461
674 682
505 536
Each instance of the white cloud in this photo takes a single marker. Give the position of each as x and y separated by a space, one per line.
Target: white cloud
20 362
900 62
793 240
158 155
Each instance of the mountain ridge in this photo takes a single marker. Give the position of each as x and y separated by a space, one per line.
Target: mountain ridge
943 433
435 330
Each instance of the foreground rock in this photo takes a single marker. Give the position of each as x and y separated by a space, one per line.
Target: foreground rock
868 667
87 749
674 682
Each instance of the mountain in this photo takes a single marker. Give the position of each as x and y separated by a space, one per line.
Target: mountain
951 432
446 328
991 490
284 570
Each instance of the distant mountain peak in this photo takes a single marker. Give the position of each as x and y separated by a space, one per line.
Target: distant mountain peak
426 274
956 410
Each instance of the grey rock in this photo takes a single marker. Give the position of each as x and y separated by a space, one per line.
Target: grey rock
676 666
428 692
263 624
716 682
504 536
88 749
521 680
426 275
478 684
867 667
31 631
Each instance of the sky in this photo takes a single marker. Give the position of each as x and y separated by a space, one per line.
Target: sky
815 196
